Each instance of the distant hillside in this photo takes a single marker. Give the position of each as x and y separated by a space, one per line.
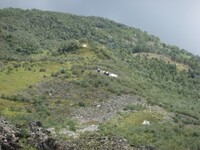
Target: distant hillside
33 30
48 73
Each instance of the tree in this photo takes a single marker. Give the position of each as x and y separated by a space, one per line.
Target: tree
69 46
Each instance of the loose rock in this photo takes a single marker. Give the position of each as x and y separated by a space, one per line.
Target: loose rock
9 139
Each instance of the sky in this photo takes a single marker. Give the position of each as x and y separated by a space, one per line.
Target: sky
175 22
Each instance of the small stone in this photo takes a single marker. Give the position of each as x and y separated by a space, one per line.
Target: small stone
98 106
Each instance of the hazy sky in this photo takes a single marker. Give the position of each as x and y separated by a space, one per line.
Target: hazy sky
176 22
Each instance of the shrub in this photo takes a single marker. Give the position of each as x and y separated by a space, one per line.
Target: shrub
30 86
72 125
23 133
42 70
54 74
28 68
17 65
67 75
69 46
81 104
62 71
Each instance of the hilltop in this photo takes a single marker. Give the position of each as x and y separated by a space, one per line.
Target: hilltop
48 74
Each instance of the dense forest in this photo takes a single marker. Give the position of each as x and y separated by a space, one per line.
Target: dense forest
48 63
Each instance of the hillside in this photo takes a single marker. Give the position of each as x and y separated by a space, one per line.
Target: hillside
48 73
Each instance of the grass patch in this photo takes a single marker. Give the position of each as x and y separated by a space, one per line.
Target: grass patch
128 126
15 80
161 136
11 108
137 118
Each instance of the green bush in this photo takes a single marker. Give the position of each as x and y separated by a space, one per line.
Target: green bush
69 46
42 70
81 104
54 74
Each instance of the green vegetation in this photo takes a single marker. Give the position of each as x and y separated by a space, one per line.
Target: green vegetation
163 136
48 68
16 76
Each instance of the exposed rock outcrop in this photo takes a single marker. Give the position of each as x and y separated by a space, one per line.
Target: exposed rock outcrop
96 141
9 136
38 135
41 139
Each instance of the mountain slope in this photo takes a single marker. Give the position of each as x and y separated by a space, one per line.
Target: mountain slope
48 73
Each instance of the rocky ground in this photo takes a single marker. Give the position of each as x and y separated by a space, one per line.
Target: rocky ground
42 139
103 111
9 136
87 136
88 119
